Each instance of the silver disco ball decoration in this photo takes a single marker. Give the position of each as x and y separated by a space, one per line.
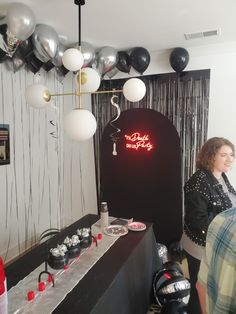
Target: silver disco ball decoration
162 252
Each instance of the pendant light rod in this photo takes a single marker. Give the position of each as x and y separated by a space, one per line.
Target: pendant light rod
79 3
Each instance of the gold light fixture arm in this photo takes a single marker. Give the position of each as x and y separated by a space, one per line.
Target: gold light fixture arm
104 92
47 96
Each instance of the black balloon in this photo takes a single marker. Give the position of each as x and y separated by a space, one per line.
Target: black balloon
140 59
26 47
63 70
179 59
61 73
123 63
33 63
174 307
3 56
48 66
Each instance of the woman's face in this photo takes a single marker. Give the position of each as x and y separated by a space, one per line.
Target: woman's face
223 159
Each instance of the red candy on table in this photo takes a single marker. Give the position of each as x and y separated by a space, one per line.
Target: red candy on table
99 236
41 286
30 295
50 278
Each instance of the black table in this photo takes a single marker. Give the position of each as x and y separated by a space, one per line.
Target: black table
120 282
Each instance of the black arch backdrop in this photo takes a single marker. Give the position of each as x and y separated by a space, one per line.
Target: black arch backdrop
143 180
184 100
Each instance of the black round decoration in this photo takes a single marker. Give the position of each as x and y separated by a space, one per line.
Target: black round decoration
169 285
179 59
140 59
123 63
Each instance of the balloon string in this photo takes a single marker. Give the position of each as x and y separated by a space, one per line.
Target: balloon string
114 136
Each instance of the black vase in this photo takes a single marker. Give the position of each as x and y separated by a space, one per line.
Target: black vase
85 241
58 262
74 251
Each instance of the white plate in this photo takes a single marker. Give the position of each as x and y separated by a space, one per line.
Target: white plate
136 226
115 230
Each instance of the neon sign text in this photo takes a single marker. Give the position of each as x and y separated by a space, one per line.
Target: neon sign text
136 141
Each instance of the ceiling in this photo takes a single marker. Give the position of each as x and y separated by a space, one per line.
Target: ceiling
123 24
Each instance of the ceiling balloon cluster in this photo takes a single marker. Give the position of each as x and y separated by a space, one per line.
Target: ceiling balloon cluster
36 46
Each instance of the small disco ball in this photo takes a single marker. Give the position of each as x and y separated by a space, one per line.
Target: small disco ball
170 284
162 252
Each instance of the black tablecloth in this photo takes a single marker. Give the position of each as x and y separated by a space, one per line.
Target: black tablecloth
120 282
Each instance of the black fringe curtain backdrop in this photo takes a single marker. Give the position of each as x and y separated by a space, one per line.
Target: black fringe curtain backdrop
183 99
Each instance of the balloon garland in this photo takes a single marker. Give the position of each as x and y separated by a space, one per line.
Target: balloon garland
23 42
114 136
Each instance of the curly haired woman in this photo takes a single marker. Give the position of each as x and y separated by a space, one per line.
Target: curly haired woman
207 193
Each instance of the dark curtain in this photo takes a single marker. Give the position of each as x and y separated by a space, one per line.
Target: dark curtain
183 99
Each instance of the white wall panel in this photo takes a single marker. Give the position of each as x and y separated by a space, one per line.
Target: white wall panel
50 181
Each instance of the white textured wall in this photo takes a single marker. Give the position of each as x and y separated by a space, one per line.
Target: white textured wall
50 181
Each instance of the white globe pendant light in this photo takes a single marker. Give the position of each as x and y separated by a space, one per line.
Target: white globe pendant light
37 96
90 80
80 124
72 59
134 89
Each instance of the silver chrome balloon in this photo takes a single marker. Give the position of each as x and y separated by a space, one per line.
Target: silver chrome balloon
20 20
88 53
107 58
112 72
57 60
46 41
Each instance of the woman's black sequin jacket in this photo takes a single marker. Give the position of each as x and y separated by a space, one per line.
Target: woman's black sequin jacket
204 199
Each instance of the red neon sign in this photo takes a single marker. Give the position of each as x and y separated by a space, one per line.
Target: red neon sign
137 141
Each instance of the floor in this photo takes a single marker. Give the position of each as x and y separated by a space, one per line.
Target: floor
154 308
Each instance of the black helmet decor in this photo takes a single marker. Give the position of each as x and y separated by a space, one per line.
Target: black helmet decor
170 284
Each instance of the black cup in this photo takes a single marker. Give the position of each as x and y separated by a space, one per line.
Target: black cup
58 262
74 251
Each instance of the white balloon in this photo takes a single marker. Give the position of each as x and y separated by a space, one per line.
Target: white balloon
72 59
134 89
80 124
36 96
90 80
